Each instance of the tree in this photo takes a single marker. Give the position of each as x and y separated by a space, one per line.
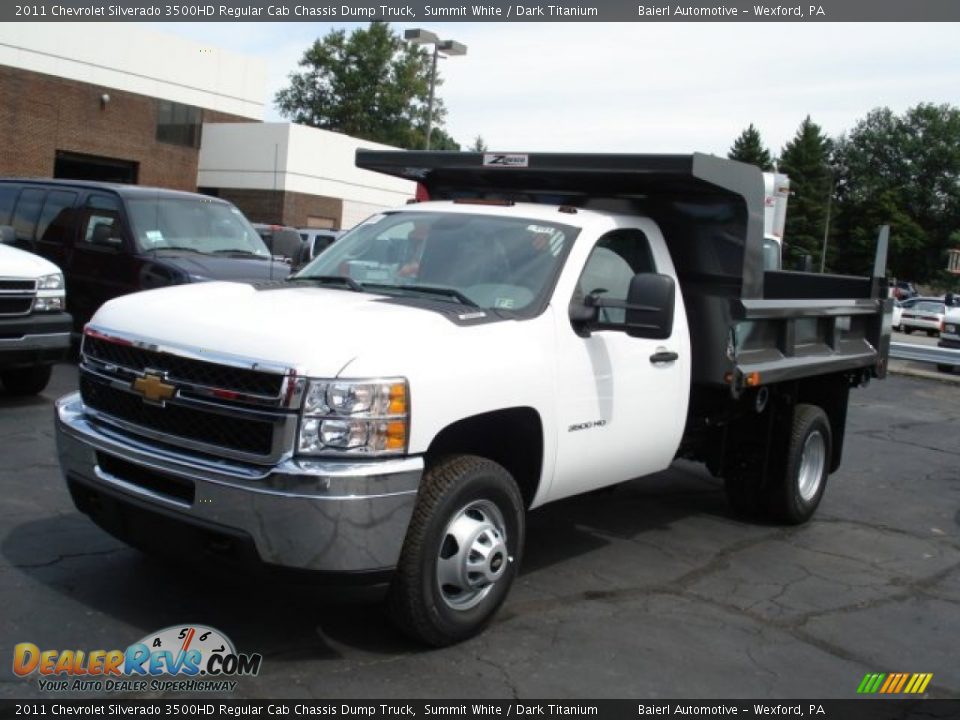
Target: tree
479 145
806 159
749 148
371 85
907 166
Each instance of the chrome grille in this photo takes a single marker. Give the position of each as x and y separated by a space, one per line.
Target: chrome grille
188 370
178 421
223 410
16 296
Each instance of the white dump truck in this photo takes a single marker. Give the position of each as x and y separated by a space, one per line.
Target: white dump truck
546 325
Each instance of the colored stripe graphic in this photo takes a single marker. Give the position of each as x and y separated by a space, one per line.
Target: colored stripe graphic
894 683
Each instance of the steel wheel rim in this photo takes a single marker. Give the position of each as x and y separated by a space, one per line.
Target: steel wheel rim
473 555
812 461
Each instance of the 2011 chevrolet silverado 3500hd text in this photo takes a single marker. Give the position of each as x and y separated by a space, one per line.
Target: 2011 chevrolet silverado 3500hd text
390 413
34 329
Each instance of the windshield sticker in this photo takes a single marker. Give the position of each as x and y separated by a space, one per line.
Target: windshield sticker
504 303
154 236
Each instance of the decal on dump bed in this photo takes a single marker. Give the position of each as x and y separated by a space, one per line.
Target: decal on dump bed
504 160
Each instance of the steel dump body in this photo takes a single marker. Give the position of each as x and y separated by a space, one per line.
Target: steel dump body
744 320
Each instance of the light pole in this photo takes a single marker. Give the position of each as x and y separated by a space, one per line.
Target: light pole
449 48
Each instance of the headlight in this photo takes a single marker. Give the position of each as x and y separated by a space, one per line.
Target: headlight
368 417
54 281
48 304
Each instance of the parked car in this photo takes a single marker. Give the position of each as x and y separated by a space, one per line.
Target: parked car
910 302
34 329
318 240
925 315
897 314
950 335
110 239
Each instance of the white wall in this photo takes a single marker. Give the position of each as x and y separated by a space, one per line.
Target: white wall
296 158
131 58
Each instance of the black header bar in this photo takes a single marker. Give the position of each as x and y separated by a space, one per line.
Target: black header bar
408 11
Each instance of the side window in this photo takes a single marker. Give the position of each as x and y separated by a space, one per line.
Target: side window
26 213
614 260
53 224
101 221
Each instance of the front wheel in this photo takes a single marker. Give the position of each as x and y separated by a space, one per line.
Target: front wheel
906 329
944 368
26 381
796 492
461 552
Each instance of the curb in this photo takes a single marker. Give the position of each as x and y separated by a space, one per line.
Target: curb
920 370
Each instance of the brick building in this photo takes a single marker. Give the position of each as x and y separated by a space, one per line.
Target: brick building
119 103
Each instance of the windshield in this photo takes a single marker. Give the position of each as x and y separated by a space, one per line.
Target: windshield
490 262
197 225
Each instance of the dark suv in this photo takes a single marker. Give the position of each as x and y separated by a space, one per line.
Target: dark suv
110 240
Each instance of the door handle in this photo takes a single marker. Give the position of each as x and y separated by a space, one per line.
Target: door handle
663 356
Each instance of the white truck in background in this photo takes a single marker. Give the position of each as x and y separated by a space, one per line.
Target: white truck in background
546 325
776 194
34 329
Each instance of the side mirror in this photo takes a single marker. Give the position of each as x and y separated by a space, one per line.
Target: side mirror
647 311
103 236
7 235
650 302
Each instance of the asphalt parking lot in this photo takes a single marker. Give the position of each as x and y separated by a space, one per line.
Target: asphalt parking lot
651 591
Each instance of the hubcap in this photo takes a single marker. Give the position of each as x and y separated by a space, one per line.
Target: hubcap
473 555
812 461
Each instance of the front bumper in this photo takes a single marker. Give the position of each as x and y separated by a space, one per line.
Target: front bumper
38 339
342 517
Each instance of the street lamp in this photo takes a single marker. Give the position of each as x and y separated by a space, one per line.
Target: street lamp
449 48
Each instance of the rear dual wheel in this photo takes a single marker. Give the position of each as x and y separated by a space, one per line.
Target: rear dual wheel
461 552
796 482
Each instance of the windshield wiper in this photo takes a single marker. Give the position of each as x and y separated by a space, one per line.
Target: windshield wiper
323 279
431 290
180 248
239 251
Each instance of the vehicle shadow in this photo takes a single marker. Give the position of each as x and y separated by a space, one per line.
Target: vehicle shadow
290 620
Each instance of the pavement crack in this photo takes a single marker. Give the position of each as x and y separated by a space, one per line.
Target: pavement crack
66 556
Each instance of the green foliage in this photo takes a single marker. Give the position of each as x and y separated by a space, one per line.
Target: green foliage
903 170
749 148
371 85
479 145
806 159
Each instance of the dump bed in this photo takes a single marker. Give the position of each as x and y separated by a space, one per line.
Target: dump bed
748 326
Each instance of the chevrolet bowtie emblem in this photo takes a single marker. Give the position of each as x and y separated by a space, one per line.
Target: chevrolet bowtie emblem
153 388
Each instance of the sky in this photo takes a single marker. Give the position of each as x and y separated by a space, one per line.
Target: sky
649 87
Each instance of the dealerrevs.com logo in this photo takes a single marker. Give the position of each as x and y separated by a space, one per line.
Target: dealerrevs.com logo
184 658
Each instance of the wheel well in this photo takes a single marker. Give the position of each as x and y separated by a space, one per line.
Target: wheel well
512 438
831 394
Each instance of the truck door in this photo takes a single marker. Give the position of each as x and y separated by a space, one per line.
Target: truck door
101 265
621 406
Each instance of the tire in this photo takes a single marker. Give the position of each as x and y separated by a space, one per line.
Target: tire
944 368
796 491
477 500
906 329
931 333
26 381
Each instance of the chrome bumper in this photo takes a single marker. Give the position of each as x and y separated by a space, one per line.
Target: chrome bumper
329 516
44 341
